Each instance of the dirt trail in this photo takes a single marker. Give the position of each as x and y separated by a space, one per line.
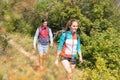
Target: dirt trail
38 75
21 49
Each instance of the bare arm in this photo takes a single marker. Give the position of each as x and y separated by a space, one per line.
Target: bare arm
80 57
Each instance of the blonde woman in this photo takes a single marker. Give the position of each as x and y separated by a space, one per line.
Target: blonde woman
68 47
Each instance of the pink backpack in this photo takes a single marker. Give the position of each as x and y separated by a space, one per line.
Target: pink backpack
44 32
43 35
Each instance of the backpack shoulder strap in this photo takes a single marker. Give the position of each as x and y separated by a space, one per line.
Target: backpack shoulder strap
48 31
77 36
39 28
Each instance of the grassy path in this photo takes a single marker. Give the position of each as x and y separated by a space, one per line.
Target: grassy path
19 64
22 50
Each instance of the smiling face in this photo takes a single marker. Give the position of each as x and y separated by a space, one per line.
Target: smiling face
74 26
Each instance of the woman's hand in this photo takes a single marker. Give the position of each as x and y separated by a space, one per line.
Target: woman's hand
56 62
57 59
81 60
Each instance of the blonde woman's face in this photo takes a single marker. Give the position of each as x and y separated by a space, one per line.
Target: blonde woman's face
74 27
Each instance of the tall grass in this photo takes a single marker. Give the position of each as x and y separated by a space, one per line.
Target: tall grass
16 66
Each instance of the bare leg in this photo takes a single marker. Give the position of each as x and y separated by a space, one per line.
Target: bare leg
69 76
44 59
68 68
41 61
72 66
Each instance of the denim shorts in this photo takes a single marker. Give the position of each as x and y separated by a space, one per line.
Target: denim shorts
71 60
42 49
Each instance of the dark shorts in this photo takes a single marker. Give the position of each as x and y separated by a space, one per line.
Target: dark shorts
71 60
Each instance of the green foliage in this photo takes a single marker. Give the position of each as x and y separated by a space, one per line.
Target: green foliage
61 13
99 24
115 20
100 72
3 45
